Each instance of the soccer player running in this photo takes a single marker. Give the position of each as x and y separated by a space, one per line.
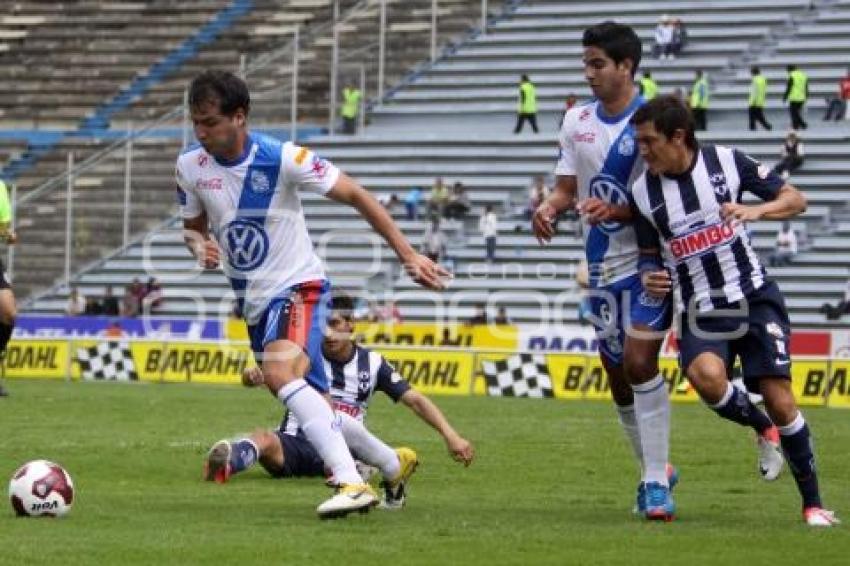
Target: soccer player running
598 162
688 205
239 201
357 374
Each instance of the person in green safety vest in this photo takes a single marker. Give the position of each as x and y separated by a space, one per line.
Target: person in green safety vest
758 95
527 109
796 94
699 101
648 87
350 109
8 311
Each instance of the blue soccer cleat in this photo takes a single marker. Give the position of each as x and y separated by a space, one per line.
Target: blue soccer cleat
640 501
659 503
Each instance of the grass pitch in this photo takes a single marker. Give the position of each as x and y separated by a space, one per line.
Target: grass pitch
553 483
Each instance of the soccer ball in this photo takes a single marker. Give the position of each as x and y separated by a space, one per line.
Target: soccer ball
41 488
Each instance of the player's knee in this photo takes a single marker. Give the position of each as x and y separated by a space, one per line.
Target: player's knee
640 370
779 401
265 440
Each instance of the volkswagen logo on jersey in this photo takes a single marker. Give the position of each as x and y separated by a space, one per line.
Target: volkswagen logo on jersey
247 244
608 189
259 181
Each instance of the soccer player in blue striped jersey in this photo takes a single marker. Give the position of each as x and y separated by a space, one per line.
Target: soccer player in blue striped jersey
688 207
239 197
597 163
356 374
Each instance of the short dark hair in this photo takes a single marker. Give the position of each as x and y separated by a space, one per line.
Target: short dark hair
668 114
755 70
342 302
223 87
618 41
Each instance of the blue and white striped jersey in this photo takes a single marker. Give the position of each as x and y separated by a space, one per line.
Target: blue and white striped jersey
602 154
354 382
712 260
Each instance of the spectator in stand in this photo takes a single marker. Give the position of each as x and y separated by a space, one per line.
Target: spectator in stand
663 38
796 94
758 96
786 246
389 202
110 303
834 312
392 313
153 296
131 301
93 307
699 101
439 198
480 316
527 105
434 241
501 317
76 303
489 227
647 86
537 193
837 105
678 39
411 203
459 203
793 156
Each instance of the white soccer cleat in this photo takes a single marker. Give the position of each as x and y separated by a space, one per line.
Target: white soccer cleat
358 497
817 517
770 454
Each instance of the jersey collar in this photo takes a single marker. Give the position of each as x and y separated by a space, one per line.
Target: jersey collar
636 102
246 151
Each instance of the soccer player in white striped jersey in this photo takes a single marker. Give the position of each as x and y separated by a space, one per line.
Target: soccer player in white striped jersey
688 206
598 162
356 374
238 192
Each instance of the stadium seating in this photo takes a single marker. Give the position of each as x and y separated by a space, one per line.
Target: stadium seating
453 120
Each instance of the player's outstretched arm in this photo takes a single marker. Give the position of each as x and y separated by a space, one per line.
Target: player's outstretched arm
197 238
789 202
420 268
459 448
562 197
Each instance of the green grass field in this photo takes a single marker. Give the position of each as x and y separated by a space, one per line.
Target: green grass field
553 484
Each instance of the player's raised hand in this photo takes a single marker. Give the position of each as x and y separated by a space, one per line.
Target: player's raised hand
209 254
542 221
427 273
656 283
740 212
253 377
461 450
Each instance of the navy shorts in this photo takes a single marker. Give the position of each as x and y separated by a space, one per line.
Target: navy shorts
300 459
622 305
300 315
762 342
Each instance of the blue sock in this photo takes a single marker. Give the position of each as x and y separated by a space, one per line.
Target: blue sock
797 446
243 455
737 407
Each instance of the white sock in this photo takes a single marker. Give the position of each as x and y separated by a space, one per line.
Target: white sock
629 424
321 427
368 447
652 413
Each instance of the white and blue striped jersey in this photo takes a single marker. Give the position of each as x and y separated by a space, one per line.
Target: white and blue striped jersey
354 382
601 152
255 214
712 260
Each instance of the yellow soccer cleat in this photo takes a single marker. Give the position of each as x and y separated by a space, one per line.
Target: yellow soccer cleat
395 489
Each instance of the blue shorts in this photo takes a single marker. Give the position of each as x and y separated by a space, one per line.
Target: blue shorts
622 305
300 459
299 315
762 342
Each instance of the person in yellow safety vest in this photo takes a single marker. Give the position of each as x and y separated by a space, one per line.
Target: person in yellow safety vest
758 94
527 105
8 311
796 94
648 87
699 101
350 109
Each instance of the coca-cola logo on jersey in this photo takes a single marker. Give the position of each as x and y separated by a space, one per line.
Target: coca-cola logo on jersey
584 137
702 240
214 184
